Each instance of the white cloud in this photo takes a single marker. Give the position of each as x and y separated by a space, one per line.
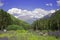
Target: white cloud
49 4
14 10
36 13
58 9
1 4
52 11
58 2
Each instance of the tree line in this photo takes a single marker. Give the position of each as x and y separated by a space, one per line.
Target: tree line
9 21
51 23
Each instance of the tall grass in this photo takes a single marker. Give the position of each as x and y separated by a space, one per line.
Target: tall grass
25 35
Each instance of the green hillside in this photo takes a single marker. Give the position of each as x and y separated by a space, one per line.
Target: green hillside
7 19
51 23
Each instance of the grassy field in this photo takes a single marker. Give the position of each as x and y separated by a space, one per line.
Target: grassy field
25 35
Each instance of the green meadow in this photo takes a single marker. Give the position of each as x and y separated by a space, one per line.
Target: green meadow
25 35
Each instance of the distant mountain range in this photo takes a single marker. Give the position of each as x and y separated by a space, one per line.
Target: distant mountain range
30 20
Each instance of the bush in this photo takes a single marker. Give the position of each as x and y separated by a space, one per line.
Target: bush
14 27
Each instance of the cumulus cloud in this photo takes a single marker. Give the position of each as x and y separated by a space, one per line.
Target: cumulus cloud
58 2
49 4
52 11
1 4
36 13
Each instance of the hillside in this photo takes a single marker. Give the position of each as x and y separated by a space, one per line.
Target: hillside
51 23
7 19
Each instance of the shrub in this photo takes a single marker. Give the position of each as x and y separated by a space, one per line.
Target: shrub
14 27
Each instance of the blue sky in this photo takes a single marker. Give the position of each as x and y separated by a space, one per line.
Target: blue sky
29 10
29 4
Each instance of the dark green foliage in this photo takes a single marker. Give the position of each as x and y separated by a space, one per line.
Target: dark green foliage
55 21
16 21
41 24
7 19
52 23
15 27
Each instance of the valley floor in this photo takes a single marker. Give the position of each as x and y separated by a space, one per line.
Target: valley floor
26 35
